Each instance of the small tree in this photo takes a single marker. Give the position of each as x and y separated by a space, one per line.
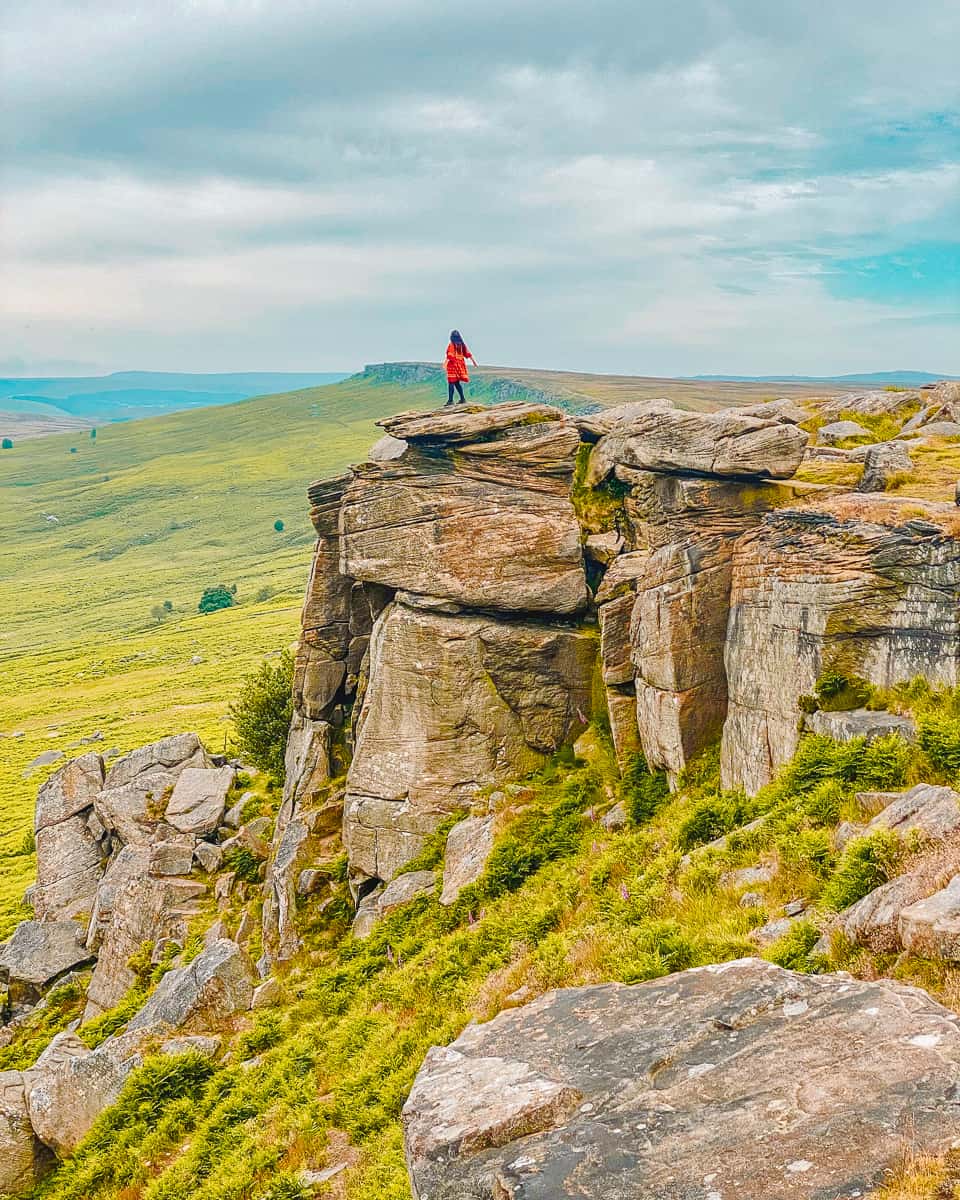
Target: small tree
278 526
214 598
157 613
262 714
168 606
73 449
93 434
7 444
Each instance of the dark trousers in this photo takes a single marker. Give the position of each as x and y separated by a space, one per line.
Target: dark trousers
459 386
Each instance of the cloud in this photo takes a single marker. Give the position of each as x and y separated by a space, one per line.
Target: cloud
229 185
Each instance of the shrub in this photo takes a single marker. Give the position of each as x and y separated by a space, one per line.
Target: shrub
262 714
243 863
93 434
265 1033
168 606
710 818
939 737
642 791
214 598
793 949
7 444
278 526
836 692
866 863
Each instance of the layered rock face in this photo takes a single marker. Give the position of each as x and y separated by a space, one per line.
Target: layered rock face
677 1089
862 586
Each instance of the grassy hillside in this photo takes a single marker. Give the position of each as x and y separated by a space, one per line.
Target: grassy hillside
147 512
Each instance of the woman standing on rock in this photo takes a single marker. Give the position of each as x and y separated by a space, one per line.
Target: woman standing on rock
457 355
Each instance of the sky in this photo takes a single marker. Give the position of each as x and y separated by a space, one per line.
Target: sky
705 186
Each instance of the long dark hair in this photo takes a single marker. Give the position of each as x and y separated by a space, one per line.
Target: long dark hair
456 337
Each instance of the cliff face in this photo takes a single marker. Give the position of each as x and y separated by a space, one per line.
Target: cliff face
461 579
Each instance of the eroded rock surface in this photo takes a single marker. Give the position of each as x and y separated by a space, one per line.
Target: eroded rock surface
454 703
70 855
37 954
205 994
23 1159
136 787
646 1092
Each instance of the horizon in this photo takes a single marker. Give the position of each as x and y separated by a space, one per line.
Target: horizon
716 189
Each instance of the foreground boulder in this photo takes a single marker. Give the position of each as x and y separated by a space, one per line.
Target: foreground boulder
37 954
23 1159
736 1080
216 986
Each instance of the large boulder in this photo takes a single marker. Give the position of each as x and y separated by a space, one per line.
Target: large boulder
70 1085
839 431
199 799
881 464
469 844
69 852
205 994
136 787
926 809
487 524
454 703
37 954
738 1080
931 927
859 584
724 443
23 1159
859 723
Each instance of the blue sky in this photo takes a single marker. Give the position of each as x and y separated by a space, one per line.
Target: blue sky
714 186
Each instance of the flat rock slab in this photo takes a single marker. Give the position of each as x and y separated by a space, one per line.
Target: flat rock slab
859 722
199 799
466 422
39 951
468 847
728 1082
927 809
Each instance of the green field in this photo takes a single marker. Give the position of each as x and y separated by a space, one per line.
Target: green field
147 512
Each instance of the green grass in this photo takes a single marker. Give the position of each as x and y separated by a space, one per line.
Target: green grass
151 511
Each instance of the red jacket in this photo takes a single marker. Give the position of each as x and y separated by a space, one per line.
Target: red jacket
457 363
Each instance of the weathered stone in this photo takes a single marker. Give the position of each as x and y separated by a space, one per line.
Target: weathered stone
136 787
724 443
871 404
873 802
368 913
70 1086
208 855
216 986
838 431
192 1043
311 881
615 644
387 449
172 857
37 954
199 799
547 1101
603 547
382 901
853 583
307 759
69 791
615 819
945 429
931 927
469 844
859 722
622 575
490 526
932 811
772 932
748 876
618 418
133 907
224 888
69 857
622 711
845 832
23 1159
751 900
267 994
873 921
455 703
466 422
881 463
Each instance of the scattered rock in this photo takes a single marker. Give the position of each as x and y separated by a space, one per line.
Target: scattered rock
209 856
548 1099
751 900
615 818
872 803
747 876
216 986
267 994
930 928
845 832
859 722
946 429
173 857
199 799
925 808
44 759
881 463
37 954
312 880
469 844
23 1159
70 1085
405 888
795 908
838 431
194 1043
773 931
874 920
223 888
